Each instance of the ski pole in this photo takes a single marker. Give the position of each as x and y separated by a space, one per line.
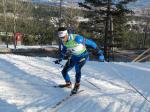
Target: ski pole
61 65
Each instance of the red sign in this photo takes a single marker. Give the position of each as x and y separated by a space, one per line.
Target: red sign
18 36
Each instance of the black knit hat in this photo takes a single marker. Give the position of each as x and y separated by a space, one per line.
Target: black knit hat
62 29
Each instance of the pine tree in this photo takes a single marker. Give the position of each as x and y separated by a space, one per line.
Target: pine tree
107 17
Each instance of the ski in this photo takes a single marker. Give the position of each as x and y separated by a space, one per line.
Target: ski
66 98
59 86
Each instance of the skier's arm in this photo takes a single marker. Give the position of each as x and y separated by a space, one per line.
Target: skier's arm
88 42
91 43
62 55
98 52
63 52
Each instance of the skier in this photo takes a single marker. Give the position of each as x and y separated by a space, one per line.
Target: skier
75 45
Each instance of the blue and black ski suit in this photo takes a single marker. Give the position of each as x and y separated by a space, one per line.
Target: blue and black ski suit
76 46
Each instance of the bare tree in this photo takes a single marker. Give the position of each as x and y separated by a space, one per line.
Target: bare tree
5 19
21 15
70 16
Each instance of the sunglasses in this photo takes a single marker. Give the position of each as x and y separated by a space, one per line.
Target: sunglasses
62 37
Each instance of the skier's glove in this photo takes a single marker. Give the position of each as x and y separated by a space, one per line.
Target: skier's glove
99 54
57 61
101 58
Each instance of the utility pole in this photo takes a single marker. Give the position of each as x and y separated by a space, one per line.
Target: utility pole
60 17
60 12
14 25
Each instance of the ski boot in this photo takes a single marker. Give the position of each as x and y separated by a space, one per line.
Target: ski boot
67 85
75 89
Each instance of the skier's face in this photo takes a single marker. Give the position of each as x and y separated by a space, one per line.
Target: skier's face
65 38
63 35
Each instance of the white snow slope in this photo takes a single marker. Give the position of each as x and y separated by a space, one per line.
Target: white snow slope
26 85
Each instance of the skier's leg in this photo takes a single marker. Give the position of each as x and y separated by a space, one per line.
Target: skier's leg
78 70
78 67
69 65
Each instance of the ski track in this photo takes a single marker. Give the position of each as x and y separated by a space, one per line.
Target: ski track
26 86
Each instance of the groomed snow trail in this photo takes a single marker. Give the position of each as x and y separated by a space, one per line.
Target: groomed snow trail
27 86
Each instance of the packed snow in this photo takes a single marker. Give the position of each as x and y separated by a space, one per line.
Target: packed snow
26 85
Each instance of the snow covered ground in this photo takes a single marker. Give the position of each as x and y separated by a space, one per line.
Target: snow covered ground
26 85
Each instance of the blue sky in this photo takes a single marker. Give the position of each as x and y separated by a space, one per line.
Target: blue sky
140 3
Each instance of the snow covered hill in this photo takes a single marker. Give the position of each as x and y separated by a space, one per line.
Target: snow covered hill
26 85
